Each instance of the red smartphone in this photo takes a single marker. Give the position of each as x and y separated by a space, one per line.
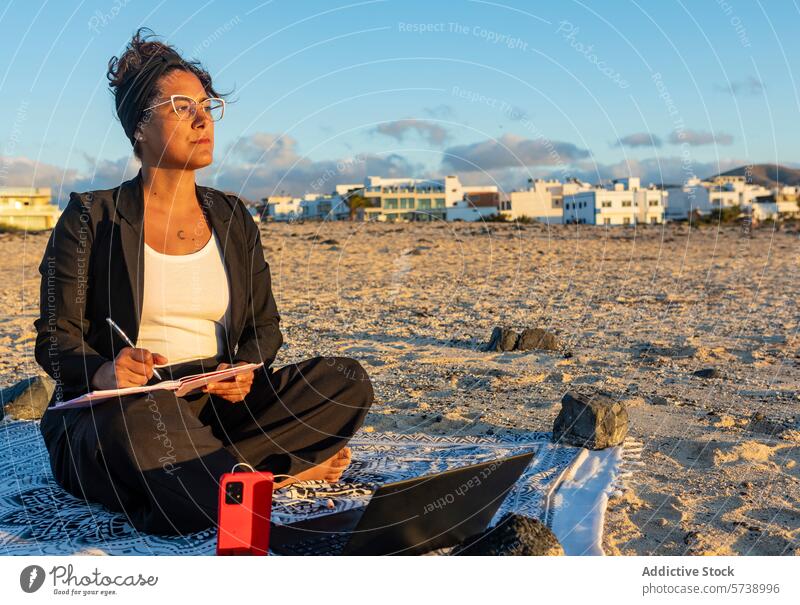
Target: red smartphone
245 505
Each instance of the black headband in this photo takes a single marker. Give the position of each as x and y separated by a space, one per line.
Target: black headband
133 94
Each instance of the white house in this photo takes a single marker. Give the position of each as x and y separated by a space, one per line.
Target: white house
764 210
283 208
623 202
332 207
692 196
310 207
543 200
727 191
28 208
408 199
466 211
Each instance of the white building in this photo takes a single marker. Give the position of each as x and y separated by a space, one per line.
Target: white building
764 210
543 200
728 191
692 196
283 208
27 208
407 199
465 211
311 207
623 202
315 207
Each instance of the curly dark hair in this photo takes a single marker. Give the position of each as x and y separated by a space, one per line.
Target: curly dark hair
134 79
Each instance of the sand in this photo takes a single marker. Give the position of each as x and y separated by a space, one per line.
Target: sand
639 310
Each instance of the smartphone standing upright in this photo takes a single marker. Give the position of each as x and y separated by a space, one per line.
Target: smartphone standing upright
245 505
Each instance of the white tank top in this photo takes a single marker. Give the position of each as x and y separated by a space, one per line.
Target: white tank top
186 306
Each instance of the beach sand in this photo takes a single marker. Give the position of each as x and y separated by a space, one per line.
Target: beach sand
639 310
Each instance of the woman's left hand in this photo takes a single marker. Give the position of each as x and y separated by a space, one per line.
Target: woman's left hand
234 389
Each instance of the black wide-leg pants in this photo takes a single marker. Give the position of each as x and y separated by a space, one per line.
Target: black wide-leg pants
158 458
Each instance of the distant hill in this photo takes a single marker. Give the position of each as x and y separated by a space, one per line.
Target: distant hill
767 175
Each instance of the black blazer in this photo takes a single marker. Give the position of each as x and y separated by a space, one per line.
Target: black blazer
93 268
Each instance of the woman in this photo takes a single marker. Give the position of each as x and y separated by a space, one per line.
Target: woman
180 268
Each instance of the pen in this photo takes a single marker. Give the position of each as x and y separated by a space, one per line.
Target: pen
113 324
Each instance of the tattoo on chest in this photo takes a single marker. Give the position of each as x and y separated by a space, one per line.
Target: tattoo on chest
181 234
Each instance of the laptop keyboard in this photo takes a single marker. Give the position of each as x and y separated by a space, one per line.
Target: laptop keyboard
326 544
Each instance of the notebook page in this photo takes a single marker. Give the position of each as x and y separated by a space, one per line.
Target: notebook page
89 399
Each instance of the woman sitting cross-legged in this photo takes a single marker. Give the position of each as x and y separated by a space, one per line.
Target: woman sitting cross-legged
180 269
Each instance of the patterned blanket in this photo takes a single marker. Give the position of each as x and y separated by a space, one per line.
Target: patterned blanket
37 517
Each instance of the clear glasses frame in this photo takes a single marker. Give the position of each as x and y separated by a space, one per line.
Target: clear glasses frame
189 110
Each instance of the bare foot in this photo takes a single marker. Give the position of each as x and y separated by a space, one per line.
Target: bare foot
330 470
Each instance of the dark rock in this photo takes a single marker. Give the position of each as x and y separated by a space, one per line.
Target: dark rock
658 400
332 242
707 373
591 420
647 352
505 339
27 399
536 338
514 535
502 339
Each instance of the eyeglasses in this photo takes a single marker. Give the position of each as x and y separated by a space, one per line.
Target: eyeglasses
186 107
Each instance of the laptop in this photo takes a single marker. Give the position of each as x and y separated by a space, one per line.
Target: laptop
408 517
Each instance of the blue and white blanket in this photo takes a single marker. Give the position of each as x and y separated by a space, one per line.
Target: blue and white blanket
37 517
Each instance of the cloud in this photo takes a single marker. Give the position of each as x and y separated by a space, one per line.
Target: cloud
265 164
667 170
441 112
639 139
278 151
21 171
516 113
749 86
256 166
398 129
670 170
696 138
508 151
105 174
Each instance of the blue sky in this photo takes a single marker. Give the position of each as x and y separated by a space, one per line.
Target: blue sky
497 92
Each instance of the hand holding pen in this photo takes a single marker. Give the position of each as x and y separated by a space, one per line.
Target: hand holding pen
132 366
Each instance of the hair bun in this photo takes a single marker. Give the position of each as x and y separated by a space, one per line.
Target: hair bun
134 78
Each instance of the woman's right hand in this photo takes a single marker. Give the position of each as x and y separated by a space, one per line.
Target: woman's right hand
131 368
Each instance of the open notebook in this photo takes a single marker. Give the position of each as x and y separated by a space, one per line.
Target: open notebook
181 386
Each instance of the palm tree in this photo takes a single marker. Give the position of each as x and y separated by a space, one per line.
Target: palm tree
355 200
